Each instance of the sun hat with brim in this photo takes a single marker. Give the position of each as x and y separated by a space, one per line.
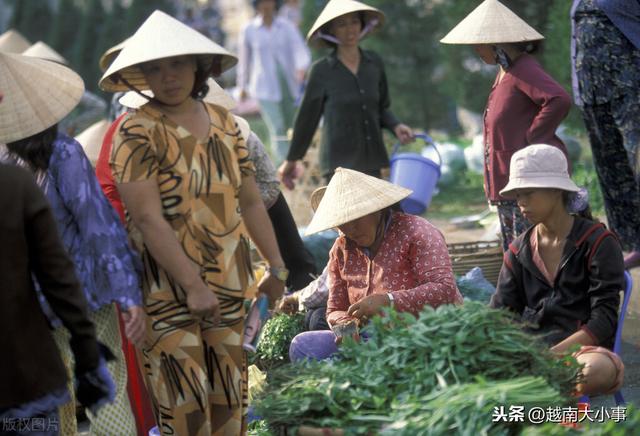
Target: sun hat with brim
37 95
216 95
43 51
160 36
351 195
108 56
538 166
337 8
491 23
91 139
12 41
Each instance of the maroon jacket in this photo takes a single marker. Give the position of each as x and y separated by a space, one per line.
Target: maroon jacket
525 108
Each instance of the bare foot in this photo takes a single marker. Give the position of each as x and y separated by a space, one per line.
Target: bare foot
632 260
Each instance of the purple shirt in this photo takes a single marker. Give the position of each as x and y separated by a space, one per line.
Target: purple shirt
90 229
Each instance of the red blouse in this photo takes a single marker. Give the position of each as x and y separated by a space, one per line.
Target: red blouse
412 262
525 108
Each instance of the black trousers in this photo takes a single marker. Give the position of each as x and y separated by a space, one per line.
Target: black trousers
297 258
375 173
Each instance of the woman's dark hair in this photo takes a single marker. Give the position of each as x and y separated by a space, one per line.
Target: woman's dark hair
530 47
278 3
326 29
586 213
203 72
35 150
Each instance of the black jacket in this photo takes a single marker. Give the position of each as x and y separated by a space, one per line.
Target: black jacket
31 366
586 291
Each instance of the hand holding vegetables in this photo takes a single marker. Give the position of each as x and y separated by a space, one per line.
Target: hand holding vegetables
288 305
369 306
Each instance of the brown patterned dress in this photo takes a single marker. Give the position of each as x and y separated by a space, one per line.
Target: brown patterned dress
196 374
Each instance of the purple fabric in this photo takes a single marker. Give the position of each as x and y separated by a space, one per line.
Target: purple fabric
624 14
36 418
90 229
315 345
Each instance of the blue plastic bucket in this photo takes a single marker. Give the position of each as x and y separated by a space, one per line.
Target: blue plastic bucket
418 173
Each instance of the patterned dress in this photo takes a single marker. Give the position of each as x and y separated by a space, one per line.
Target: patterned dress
196 373
606 66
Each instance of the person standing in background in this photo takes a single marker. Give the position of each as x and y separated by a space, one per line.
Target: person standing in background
605 64
273 60
525 106
349 89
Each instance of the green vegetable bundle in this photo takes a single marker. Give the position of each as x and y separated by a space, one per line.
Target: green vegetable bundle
275 338
406 359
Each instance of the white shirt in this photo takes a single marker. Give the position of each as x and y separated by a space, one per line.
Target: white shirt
262 49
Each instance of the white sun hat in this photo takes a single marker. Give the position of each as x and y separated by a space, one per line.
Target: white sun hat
216 95
91 139
43 51
491 23
351 195
12 41
37 95
160 36
538 166
337 8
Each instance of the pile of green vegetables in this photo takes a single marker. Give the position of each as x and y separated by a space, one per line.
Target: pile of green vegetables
275 338
438 374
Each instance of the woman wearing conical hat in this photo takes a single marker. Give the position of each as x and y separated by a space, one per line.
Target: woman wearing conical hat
382 258
525 105
39 94
184 175
349 89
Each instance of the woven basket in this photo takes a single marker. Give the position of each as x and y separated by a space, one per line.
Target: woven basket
484 254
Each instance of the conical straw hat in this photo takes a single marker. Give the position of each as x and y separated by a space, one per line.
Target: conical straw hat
12 41
160 36
37 95
91 139
216 95
337 8
108 57
316 197
351 195
43 51
491 23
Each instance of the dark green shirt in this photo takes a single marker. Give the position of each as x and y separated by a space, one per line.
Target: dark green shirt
355 109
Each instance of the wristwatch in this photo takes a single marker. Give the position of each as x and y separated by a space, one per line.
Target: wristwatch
281 273
391 299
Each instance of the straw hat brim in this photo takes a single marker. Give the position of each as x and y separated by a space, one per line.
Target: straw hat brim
550 181
351 195
491 23
108 56
160 36
316 197
91 139
338 8
43 51
37 95
216 95
12 41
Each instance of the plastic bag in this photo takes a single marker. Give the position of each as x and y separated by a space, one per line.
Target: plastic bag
475 287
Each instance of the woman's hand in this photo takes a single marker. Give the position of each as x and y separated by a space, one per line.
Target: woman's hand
134 324
288 173
271 287
404 133
202 302
288 305
369 306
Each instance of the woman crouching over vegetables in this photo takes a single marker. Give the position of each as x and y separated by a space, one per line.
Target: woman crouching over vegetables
381 258
564 275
